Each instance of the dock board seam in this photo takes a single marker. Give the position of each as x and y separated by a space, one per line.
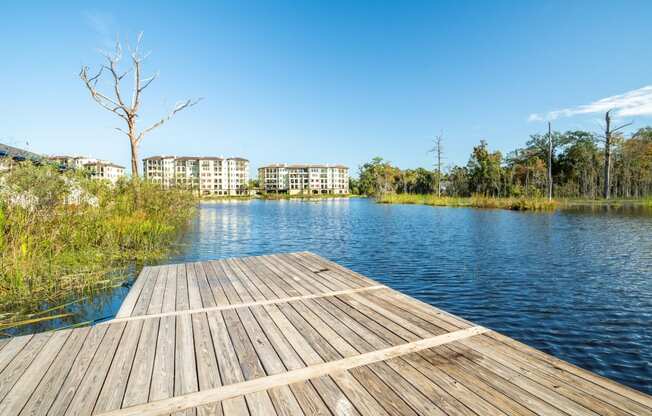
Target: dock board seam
190 400
245 304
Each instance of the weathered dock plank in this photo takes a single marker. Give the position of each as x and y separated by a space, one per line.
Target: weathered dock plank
290 334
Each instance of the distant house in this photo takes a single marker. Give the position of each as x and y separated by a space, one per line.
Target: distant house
71 162
106 170
10 155
98 169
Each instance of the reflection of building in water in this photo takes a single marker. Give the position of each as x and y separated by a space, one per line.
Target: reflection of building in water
304 179
207 175
223 223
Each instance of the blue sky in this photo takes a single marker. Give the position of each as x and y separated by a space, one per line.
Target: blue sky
337 82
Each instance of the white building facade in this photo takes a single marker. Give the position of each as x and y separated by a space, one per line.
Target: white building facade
98 169
304 179
207 175
106 170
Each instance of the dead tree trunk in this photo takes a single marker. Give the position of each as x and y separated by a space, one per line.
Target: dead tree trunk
439 166
608 137
549 162
438 151
134 158
607 156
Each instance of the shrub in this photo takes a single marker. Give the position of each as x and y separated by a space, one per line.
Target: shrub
62 234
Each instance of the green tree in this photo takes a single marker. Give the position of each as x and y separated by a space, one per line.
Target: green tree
632 171
457 181
377 177
424 181
579 165
545 146
485 170
354 186
405 181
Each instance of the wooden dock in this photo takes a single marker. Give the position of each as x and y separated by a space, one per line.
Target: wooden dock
290 334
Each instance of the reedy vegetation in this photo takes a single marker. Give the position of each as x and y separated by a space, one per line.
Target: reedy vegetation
475 201
63 233
577 168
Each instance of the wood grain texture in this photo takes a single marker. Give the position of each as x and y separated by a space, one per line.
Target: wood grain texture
256 382
290 334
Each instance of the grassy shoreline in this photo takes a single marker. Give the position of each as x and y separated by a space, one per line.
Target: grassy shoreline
509 203
64 236
570 202
516 204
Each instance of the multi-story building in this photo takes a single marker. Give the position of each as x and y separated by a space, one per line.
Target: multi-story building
160 169
207 175
304 179
105 170
99 169
72 162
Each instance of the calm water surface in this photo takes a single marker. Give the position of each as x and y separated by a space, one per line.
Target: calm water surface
576 283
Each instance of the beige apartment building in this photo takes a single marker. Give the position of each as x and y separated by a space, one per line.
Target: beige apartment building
98 169
208 175
105 170
304 179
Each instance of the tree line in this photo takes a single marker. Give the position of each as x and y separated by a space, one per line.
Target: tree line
572 164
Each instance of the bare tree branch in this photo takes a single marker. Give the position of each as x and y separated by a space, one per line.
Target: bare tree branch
177 108
101 99
148 81
122 131
113 62
622 127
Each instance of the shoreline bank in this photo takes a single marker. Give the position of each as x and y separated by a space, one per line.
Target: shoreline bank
509 203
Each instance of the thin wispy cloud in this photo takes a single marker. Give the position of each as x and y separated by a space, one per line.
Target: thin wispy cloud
632 103
103 25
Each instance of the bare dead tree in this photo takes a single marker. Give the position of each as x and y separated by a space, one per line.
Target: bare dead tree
438 151
550 150
545 147
115 102
608 141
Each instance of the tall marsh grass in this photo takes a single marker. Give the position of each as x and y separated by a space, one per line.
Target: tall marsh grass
64 235
476 201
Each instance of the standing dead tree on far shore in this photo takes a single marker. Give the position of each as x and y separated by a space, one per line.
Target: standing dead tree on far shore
608 142
545 147
438 151
127 109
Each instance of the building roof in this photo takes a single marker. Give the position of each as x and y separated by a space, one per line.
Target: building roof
10 151
89 161
109 164
303 165
158 157
69 157
182 158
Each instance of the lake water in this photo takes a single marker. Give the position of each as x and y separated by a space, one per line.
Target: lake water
574 283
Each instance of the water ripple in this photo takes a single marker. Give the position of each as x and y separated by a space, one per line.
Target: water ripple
575 284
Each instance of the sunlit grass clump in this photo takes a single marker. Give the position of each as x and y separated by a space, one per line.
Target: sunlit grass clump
476 201
62 234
